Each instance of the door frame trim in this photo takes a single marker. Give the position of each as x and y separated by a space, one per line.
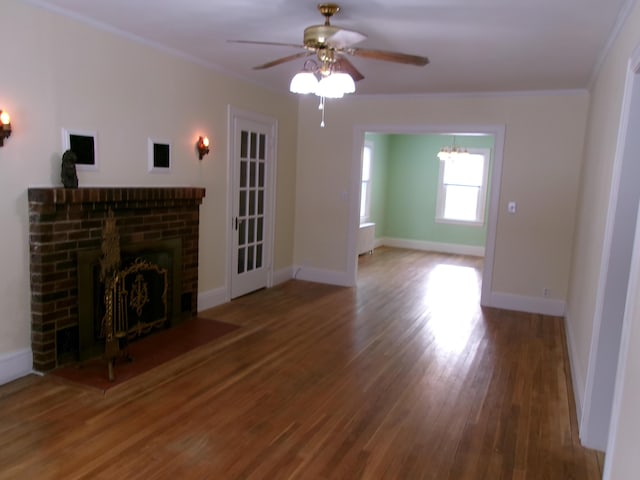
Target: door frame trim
605 350
488 296
234 113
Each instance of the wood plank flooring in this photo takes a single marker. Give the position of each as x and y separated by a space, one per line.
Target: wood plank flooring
403 377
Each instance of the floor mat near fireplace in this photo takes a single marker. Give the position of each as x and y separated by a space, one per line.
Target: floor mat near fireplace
147 353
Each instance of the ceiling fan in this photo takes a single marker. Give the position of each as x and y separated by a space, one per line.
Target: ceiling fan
331 43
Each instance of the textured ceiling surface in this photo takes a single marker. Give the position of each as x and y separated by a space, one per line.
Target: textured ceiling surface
473 45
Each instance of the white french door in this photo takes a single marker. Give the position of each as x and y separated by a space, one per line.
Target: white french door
252 158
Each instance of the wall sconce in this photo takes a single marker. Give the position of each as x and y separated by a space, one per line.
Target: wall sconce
5 126
202 146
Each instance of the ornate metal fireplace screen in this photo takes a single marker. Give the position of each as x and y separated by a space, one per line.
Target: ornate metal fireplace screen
127 294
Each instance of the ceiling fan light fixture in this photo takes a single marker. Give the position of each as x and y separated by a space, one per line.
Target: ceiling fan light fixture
332 44
327 88
332 75
335 85
304 82
347 85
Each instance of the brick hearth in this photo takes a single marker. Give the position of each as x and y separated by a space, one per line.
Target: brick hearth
63 222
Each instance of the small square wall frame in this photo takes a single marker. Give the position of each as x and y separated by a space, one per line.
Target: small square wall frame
84 143
159 156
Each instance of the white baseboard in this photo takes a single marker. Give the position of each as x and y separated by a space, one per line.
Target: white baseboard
319 275
15 365
453 248
212 298
218 296
521 303
282 275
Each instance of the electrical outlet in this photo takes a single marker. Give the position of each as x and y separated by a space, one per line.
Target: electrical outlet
512 207
545 292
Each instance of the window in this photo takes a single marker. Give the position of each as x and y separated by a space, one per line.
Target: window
365 189
462 188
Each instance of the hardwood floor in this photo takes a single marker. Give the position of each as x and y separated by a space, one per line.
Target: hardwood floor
404 377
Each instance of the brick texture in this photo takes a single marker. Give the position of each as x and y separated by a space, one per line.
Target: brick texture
63 222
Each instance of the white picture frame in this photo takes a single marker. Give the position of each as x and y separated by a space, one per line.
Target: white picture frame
84 143
159 156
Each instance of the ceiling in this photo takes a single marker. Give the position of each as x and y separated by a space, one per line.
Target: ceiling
473 45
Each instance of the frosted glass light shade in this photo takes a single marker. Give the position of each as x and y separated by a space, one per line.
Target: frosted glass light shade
303 82
327 89
335 85
344 80
331 87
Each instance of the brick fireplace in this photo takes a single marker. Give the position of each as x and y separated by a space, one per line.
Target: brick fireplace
65 224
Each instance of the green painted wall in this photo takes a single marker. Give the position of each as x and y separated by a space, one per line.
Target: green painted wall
405 205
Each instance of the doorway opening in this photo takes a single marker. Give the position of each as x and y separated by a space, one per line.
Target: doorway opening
491 136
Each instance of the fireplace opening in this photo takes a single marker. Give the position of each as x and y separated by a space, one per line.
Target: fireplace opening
148 297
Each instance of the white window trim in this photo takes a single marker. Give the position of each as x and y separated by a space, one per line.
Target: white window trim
365 218
482 201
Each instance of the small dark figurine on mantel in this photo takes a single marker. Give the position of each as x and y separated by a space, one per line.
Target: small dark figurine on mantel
68 173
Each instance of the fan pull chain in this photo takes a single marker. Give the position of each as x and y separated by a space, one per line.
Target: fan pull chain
321 107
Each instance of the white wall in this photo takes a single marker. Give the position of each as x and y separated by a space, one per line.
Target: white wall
541 169
596 183
60 73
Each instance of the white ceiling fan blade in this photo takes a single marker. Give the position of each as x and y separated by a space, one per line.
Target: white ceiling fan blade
345 38
257 42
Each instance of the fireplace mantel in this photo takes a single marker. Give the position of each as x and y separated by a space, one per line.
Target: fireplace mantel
63 222
59 196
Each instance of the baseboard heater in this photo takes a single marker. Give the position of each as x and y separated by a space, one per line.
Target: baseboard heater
366 238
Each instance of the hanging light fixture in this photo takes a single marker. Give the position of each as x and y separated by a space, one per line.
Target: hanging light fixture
323 81
335 85
304 82
450 152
